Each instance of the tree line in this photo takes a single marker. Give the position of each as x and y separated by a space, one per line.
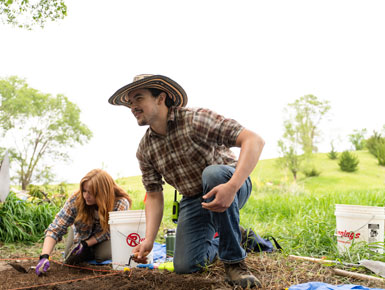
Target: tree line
302 132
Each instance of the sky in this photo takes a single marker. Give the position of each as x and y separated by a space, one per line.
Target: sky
246 60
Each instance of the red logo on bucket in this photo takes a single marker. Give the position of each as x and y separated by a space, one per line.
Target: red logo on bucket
349 235
133 240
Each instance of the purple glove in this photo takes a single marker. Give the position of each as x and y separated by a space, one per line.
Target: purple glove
43 265
78 249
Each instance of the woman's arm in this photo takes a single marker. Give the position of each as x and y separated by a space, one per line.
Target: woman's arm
49 244
91 241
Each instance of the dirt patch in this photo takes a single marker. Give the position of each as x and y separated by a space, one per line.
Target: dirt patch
274 271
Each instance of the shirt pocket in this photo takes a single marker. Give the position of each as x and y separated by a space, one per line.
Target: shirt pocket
192 155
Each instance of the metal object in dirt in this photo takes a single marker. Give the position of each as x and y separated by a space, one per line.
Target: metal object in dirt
134 256
18 268
70 253
377 267
5 179
129 260
74 256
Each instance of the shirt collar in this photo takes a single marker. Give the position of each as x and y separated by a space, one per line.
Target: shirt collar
170 121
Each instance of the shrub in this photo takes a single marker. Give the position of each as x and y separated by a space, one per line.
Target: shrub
54 194
310 172
374 143
333 154
348 162
23 220
381 155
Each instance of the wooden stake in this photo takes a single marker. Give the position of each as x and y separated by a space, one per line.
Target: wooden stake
322 261
357 275
316 260
338 271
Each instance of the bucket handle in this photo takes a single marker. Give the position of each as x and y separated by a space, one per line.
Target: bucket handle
372 218
121 233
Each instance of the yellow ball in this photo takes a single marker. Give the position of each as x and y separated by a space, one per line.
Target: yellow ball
126 269
169 266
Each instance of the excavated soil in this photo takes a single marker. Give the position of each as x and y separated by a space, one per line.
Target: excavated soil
275 271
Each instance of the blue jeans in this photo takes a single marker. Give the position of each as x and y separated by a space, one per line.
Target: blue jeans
195 246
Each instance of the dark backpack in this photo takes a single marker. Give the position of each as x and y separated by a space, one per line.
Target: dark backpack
252 242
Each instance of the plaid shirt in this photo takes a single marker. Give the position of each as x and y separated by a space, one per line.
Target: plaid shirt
67 215
195 139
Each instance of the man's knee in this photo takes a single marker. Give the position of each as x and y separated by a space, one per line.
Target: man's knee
214 175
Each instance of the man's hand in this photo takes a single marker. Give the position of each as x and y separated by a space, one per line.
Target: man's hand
141 251
223 195
43 265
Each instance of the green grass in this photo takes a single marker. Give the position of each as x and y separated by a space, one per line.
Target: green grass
303 222
300 215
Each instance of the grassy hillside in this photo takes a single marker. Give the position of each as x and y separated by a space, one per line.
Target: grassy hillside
369 175
267 174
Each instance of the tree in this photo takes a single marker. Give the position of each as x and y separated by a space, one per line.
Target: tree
348 162
357 138
374 143
305 115
288 149
26 13
376 146
37 128
332 154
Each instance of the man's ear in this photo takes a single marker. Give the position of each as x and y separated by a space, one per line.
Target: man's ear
162 98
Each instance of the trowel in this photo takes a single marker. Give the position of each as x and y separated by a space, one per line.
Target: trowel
377 267
19 268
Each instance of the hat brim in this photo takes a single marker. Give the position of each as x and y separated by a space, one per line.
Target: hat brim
173 89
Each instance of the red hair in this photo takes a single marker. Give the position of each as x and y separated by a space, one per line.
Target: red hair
103 187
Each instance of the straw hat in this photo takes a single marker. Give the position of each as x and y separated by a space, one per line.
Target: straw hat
147 81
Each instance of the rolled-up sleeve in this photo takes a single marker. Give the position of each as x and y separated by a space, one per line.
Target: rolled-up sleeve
65 218
215 129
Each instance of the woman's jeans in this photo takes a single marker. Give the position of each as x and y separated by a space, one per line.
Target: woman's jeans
195 246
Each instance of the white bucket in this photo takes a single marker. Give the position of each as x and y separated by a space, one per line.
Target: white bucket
359 223
127 229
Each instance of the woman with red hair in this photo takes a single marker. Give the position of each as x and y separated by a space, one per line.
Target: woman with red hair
87 212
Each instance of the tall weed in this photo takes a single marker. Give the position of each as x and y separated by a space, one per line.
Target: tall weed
23 220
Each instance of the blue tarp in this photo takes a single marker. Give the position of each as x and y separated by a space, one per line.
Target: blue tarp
159 253
324 286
